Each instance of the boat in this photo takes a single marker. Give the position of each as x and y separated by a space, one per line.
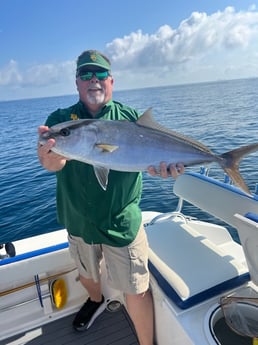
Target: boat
204 282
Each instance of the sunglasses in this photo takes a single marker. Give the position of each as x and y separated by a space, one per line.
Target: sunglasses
88 75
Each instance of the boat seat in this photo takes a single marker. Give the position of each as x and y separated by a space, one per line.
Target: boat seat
187 265
208 194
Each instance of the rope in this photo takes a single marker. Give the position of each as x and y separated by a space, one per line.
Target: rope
25 286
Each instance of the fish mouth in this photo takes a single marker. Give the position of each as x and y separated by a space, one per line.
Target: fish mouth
50 134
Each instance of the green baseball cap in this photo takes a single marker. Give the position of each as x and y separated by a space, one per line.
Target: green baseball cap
93 58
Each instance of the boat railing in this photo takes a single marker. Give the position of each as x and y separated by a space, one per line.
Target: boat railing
170 215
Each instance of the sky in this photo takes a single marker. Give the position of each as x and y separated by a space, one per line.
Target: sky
150 43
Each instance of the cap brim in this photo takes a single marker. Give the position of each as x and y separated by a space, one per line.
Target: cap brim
93 64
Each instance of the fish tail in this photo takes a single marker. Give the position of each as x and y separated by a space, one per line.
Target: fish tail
230 164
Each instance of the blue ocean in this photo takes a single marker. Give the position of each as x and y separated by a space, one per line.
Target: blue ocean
222 115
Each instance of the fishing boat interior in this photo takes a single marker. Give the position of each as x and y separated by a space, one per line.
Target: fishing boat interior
204 283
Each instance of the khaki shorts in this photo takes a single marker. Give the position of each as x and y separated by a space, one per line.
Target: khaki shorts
127 267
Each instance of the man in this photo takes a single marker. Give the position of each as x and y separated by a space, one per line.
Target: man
103 222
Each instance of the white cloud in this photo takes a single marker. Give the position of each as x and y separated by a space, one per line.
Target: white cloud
36 75
43 75
194 38
203 47
10 74
252 7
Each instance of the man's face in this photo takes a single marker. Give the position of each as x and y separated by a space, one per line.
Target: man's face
95 86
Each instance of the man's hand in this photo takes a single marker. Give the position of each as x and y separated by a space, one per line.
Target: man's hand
167 170
48 159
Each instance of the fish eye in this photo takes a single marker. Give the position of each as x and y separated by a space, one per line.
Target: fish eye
64 132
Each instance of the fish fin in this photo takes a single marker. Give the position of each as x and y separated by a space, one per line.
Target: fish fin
230 164
102 176
147 120
107 147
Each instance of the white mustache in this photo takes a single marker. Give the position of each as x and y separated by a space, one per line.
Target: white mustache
94 87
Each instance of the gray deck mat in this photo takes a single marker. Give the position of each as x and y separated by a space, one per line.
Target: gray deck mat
110 328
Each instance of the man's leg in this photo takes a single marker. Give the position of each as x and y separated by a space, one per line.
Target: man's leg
93 307
93 288
89 273
140 309
128 272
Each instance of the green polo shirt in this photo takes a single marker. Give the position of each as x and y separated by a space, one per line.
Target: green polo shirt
110 217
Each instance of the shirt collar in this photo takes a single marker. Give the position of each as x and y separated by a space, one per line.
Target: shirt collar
100 113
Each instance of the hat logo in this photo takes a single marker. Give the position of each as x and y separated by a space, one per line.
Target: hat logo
74 117
93 57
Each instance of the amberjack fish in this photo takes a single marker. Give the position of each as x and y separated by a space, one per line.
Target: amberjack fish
134 146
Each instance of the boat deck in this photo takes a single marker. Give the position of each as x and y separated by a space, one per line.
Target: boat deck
110 328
